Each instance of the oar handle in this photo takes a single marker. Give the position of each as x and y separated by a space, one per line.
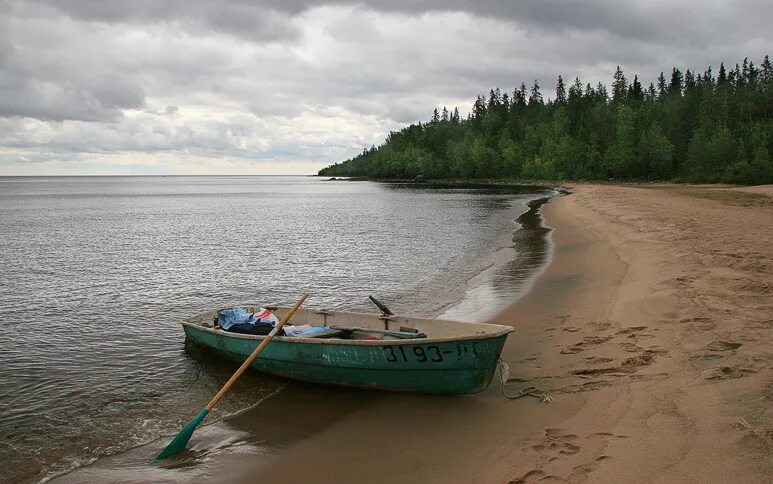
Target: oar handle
255 353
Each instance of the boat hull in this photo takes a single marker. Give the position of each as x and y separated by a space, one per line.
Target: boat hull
420 365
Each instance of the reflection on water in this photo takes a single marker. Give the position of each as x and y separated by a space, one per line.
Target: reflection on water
96 272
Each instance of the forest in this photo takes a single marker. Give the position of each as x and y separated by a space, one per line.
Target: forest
686 127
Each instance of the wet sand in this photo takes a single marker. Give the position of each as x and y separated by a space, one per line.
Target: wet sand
651 328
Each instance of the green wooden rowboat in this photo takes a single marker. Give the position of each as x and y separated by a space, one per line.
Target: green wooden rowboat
454 358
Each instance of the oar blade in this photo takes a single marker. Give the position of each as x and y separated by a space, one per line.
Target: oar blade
178 444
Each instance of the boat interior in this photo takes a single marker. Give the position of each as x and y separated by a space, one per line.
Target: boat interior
342 325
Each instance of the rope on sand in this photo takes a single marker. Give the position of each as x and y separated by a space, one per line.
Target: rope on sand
504 371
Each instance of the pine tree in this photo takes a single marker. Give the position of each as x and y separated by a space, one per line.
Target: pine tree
493 100
766 71
601 92
522 93
435 116
619 86
651 94
722 76
479 108
661 86
689 82
635 91
676 84
560 91
535 96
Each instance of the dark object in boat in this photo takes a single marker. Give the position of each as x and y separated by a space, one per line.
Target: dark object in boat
260 329
384 310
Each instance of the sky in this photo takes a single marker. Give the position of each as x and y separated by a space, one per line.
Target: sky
143 87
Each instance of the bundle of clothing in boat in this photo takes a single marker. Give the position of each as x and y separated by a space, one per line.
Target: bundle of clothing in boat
239 320
261 322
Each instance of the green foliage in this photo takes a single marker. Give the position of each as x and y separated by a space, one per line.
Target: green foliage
692 127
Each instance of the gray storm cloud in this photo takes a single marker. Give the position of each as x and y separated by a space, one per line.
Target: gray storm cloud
312 80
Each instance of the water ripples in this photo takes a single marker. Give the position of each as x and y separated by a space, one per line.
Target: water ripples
97 272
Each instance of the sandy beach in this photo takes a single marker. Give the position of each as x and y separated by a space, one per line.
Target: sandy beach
651 330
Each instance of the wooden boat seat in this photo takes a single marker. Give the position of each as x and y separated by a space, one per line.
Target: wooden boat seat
384 333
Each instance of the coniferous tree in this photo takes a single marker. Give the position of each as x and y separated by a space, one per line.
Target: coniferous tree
535 96
661 86
619 86
560 91
722 76
675 86
635 91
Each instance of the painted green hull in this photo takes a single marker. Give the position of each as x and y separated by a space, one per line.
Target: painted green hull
421 366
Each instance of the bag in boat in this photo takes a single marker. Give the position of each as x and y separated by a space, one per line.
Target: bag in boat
239 320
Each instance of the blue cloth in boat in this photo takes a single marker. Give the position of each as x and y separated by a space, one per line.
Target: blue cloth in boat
228 317
238 320
304 330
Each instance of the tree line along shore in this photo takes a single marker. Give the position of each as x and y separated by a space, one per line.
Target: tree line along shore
688 127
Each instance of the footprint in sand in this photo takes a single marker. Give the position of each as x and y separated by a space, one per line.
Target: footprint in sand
721 373
630 347
595 360
723 346
643 359
705 324
572 350
535 475
596 340
628 366
632 329
557 442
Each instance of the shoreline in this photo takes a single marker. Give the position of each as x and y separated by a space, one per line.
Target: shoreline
520 258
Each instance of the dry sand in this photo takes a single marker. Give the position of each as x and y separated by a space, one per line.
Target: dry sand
651 328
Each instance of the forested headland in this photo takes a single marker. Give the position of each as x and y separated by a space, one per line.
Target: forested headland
691 126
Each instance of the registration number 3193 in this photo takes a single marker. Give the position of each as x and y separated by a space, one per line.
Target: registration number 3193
431 353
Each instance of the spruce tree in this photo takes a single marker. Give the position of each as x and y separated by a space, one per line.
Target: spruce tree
661 86
535 96
560 91
619 86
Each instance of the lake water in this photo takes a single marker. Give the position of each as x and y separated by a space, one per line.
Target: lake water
96 272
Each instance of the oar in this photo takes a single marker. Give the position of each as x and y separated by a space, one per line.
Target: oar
181 440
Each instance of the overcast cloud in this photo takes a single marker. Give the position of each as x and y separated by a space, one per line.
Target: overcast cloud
290 86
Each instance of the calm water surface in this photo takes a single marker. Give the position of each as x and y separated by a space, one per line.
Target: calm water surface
95 272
